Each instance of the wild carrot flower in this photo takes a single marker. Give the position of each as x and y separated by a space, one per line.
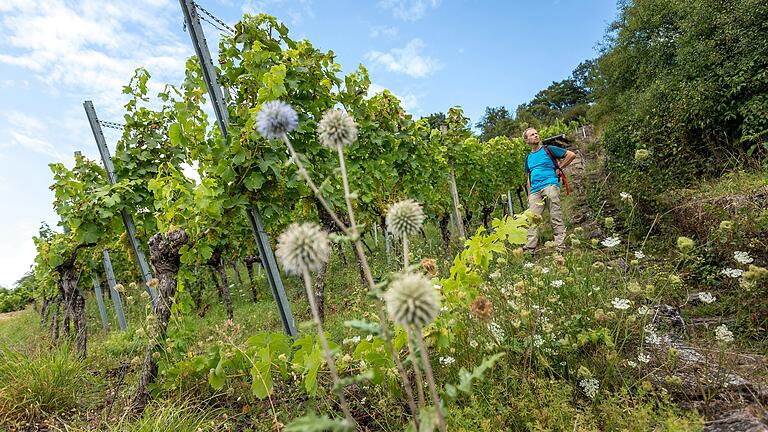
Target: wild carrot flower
742 257
336 129
481 308
643 358
722 334
732 272
411 300
611 242
639 255
620 303
707 297
557 283
275 119
447 360
303 247
497 332
430 266
405 218
590 386
625 196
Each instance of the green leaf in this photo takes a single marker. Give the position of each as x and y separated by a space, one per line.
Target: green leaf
364 326
466 377
216 377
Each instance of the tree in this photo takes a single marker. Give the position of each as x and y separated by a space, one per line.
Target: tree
497 121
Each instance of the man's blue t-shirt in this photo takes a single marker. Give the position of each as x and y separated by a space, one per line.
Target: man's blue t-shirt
541 167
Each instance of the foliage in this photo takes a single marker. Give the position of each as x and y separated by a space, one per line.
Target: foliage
687 82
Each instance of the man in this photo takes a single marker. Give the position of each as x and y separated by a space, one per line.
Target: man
544 185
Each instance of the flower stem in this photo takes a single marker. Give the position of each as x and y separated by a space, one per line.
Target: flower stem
406 257
303 172
417 371
326 349
430 378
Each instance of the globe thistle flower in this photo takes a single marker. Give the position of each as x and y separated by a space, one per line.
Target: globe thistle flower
132 286
275 119
411 300
726 225
405 218
684 244
755 274
336 129
303 247
481 308
153 283
119 288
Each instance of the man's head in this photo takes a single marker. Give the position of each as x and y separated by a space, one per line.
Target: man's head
531 136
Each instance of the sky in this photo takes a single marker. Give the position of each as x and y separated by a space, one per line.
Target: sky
432 54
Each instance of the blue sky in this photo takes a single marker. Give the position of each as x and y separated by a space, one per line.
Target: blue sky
433 54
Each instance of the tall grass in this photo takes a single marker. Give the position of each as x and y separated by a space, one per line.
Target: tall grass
41 385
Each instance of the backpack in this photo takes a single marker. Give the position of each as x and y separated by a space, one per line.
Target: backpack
559 171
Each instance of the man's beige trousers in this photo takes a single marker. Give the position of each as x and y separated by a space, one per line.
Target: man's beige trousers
536 203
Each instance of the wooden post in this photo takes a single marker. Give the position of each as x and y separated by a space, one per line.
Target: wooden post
455 199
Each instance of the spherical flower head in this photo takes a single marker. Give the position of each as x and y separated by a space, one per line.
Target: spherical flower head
132 286
275 119
119 288
726 225
481 308
153 283
336 129
303 247
411 300
684 244
405 218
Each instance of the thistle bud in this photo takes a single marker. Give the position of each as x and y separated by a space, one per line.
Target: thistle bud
404 218
303 247
153 283
275 119
411 300
336 129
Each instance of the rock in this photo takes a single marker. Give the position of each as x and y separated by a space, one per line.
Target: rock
749 419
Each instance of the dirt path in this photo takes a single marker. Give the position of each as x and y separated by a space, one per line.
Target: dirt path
8 315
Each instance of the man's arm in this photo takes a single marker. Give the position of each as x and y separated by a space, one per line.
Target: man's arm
567 159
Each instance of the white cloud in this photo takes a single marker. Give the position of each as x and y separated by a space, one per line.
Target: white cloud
91 47
409 10
17 251
29 133
407 60
409 101
383 31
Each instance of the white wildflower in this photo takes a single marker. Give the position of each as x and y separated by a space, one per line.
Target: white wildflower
631 364
639 255
643 358
742 257
722 334
538 341
620 303
611 242
528 265
545 270
643 310
497 332
447 360
732 272
495 275
707 297
473 343
590 387
557 283
625 196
